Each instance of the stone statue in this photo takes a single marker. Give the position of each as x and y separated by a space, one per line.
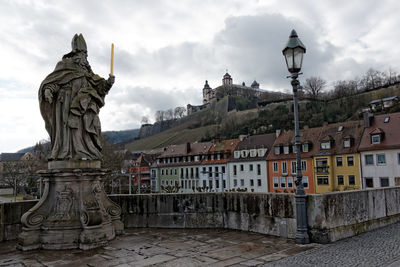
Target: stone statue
70 99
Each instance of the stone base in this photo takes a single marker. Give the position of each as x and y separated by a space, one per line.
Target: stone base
74 212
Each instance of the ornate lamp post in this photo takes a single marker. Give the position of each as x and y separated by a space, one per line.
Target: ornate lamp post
293 53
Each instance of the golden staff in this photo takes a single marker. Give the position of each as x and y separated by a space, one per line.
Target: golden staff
112 60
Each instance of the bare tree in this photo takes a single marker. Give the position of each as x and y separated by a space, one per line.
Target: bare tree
179 112
169 114
160 115
145 120
314 86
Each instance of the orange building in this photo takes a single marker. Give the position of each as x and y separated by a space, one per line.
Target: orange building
281 161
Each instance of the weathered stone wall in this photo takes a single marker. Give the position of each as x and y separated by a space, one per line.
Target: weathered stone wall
10 218
331 216
334 216
272 214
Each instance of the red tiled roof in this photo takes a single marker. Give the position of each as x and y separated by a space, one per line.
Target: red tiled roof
309 136
391 130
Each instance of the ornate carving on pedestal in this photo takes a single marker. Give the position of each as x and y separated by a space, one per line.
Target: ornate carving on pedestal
64 202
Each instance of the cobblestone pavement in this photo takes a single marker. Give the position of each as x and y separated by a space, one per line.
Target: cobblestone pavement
377 248
163 247
203 247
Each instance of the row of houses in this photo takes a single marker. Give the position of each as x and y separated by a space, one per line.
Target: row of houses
335 157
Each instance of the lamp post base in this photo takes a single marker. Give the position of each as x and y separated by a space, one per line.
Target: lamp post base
301 219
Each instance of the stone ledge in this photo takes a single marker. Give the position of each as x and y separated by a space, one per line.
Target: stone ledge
74 164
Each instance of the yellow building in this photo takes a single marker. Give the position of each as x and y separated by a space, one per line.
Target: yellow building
337 163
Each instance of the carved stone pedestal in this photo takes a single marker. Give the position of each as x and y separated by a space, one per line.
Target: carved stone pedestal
74 211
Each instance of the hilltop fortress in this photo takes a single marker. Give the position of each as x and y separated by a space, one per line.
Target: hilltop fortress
228 88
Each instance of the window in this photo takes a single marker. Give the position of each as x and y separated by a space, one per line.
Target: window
350 161
340 128
204 183
223 169
234 182
259 182
294 167
305 147
369 159
285 150
224 183
396 181
170 171
340 180
380 159
304 165
294 149
210 172
212 157
241 167
283 182
162 182
322 180
346 143
197 172
251 167
206 157
237 154
251 182
339 161
218 156
277 150
369 182
216 183
234 170
275 166
305 181
175 171
162 171
398 158
196 158
276 182
258 169
216 172
386 120
322 165
244 153
241 182
376 139
326 145
384 181
290 182
352 180
284 167
253 153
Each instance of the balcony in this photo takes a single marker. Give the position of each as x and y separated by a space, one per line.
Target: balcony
322 170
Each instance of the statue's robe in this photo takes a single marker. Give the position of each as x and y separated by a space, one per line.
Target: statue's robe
72 119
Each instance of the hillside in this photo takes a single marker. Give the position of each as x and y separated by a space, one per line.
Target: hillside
217 122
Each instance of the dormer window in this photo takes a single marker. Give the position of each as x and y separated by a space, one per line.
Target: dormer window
294 148
375 139
347 143
212 157
218 156
306 147
261 152
253 153
244 153
286 150
277 150
236 154
326 145
206 157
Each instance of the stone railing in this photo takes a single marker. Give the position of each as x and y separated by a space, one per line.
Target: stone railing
331 216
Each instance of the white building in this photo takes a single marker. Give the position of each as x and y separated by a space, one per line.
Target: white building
380 150
248 167
214 175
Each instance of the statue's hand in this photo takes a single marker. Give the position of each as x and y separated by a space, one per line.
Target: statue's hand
111 80
48 96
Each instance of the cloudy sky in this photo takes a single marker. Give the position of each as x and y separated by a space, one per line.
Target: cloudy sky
165 50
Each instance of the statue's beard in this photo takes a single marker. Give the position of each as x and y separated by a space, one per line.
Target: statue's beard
84 64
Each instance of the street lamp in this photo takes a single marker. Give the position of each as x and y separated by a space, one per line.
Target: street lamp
293 53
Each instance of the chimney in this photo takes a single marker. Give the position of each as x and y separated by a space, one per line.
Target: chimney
277 132
368 117
187 147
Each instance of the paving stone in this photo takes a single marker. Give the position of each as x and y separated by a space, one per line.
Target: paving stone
228 262
251 263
